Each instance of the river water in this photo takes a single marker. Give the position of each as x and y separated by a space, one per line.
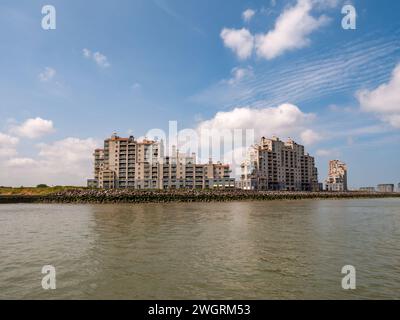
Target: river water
236 250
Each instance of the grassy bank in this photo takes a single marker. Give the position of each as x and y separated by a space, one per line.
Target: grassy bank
82 195
35 191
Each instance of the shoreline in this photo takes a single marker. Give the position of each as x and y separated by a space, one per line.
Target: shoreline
134 196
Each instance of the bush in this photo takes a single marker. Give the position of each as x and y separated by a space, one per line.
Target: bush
42 186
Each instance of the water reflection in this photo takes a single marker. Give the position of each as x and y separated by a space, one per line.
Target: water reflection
238 250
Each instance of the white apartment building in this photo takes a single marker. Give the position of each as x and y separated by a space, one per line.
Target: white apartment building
277 165
127 163
337 176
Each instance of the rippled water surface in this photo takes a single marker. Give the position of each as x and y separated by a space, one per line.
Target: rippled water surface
237 250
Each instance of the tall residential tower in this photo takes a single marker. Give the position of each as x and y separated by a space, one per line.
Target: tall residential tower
277 165
337 176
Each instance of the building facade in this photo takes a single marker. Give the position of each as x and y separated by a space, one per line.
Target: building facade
367 189
337 176
389 188
277 165
128 163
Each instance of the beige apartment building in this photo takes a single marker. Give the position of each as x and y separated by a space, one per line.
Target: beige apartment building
128 163
388 187
337 176
277 165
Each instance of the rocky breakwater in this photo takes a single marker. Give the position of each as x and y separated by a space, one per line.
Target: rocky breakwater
136 196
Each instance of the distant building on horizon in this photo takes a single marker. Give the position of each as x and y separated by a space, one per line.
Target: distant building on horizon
276 165
368 189
389 188
337 176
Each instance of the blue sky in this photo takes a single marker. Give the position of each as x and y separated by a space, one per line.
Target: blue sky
151 61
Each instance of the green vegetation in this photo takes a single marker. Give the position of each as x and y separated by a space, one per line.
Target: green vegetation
40 190
41 186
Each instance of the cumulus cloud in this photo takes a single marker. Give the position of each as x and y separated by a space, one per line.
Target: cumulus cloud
47 74
63 162
33 128
240 41
284 120
7 145
235 127
6 152
20 162
248 14
100 59
309 137
7 140
384 101
69 151
291 31
67 161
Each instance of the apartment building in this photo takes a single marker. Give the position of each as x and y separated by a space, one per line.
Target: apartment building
277 165
123 162
388 188
181 171
337 176
367 189
127 163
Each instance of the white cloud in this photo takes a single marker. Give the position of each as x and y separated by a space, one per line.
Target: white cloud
7 140
100 59
309 137
384 100
20 162
47 75
7 152
69 150
393 119
33 128
311 79
285 120
7 145
239 74
87 53
291 31
248 14
239 41
68 161
64 162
